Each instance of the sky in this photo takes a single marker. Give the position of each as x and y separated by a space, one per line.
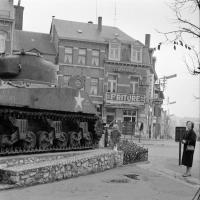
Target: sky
136 18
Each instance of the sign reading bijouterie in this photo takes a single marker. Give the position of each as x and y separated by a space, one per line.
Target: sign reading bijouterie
124 98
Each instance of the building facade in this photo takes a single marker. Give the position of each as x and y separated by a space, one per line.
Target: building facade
114 69
7 26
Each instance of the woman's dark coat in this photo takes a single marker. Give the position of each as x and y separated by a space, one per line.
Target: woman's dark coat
187 158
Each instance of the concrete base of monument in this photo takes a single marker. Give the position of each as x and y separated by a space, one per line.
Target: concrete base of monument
29 170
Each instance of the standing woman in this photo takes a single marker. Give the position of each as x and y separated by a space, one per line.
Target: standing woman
189 142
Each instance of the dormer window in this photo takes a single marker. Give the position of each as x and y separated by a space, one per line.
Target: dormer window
114 51
136 54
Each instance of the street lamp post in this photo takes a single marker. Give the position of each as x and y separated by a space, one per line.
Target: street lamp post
164 80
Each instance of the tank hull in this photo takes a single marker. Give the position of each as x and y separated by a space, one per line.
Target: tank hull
34 120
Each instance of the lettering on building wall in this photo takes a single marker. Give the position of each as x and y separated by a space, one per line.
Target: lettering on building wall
125 98
126 69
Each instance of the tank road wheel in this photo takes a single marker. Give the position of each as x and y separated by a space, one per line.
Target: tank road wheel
75 139
44 141
87 139
61 140
5 141
29 140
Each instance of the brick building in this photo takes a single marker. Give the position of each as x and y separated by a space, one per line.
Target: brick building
115 68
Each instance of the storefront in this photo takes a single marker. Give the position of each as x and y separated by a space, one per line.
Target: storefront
123 109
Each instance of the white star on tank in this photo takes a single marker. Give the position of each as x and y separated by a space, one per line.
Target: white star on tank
79 101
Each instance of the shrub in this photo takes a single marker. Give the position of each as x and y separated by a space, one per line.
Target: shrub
132 152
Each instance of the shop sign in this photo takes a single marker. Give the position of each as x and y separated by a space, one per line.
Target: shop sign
125 98
124 69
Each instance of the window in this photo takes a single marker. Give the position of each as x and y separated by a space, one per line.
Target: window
114 51
68 55
82 56
136 54
66 81
134 84
129 115
110 119
2 42
94 86
112 83
95 57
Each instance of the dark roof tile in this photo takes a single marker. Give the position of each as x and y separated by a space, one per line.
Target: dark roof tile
89 32
32 40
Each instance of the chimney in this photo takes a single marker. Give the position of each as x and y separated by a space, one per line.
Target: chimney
147 40
19 10
99 24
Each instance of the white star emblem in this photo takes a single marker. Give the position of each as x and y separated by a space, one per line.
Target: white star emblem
79 101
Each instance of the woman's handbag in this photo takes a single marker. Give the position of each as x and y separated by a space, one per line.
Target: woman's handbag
190 148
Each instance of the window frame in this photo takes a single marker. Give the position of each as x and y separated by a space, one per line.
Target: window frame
95 57
131 114
137 50
3 37
132 82
68 54
114 57
64 84
92 86
113 83
82 56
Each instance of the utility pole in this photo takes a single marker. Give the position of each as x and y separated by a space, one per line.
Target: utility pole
199 84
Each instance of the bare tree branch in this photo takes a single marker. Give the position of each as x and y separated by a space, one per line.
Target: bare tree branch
185 27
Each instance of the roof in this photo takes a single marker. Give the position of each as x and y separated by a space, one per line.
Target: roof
32 40
89 32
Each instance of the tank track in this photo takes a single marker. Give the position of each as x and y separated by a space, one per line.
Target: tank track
33 114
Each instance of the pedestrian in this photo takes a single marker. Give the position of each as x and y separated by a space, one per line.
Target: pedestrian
115 136
189 141
141 130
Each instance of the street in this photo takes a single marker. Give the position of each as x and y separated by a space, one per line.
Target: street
160 178
164 155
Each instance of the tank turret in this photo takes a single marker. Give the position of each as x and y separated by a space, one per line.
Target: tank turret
27 66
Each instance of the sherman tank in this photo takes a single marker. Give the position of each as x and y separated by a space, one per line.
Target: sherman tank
36 115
